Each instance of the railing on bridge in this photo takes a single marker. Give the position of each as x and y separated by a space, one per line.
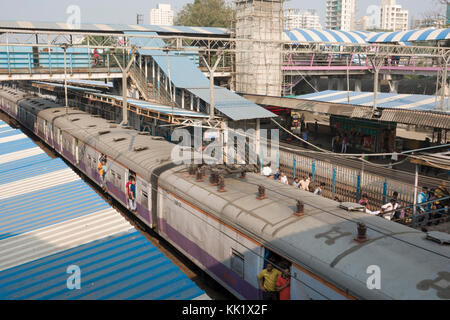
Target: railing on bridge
39 60
357 61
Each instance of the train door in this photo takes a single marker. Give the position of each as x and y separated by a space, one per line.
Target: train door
76 151
282 265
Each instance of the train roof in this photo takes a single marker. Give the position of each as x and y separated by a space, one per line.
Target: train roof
322 239
138 151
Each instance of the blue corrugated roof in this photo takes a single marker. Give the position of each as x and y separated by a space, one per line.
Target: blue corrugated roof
50 219
114 27
184 74
123 266
384 100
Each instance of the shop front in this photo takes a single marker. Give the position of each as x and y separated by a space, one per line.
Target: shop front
365 135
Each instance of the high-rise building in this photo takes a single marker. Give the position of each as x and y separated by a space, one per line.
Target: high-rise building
393 17
163 15
362 23
340 14
298 19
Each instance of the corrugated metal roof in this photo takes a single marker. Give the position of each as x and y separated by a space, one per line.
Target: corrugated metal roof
233 105
225 101
324 35
158 107
50 219
384 100
114 27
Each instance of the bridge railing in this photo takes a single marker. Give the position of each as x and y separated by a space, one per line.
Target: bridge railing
31 60
352 61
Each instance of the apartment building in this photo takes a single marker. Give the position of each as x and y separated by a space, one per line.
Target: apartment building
393 17
340 14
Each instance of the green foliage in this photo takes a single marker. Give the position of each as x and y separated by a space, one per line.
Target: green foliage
205 13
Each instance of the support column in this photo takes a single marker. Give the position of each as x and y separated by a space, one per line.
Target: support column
124 97
393 86
330 83
340 84
316 83
358 85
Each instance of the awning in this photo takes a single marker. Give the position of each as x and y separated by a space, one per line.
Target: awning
325 35
406 116
430 34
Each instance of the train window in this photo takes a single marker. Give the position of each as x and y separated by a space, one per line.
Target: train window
237 262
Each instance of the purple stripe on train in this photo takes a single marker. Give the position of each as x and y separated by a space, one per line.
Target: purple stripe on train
219 269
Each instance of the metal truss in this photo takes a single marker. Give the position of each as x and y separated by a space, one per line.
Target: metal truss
211 45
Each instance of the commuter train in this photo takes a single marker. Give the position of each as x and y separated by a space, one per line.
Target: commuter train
231 234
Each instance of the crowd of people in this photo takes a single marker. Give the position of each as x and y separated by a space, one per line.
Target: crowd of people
432 210
305 183
432 206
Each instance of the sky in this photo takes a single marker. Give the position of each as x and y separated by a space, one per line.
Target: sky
120 11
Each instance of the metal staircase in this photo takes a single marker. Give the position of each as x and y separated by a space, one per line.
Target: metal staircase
146 88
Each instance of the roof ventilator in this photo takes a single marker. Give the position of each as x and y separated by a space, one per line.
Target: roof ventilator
300 208
261 192
103 132
137 149
221 184
362 230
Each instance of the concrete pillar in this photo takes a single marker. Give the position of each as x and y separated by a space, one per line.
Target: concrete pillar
358 85
331 82
340 84
393 86
316 82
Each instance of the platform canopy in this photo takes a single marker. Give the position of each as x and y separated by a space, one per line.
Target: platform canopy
326 35
430 34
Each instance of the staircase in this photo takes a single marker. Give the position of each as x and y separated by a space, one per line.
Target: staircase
146 88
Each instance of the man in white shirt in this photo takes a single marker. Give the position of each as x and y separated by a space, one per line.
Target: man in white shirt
267 171
388 209
284 179
304 184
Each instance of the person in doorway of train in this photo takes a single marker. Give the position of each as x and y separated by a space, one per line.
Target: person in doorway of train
132 194
283 178
296 183
283 285
101 166
267 280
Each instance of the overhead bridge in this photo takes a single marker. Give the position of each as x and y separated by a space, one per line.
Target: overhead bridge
39 63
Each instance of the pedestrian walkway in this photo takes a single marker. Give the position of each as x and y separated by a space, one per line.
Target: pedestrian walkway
61 240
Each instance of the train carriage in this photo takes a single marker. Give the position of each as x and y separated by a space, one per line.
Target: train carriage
230 234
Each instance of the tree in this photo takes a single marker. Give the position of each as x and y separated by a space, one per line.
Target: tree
205 13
